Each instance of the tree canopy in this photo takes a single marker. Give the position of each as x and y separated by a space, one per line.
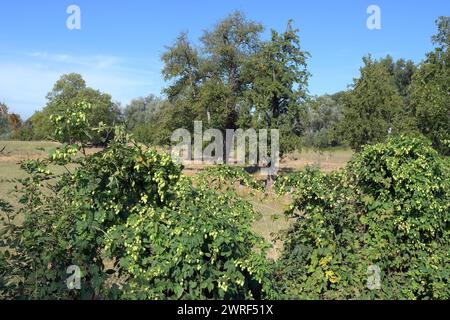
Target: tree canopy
68 91
237 80
430 90
374 106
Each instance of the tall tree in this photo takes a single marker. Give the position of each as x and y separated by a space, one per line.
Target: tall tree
278 80
430 92
68 91
402 71
210 81
373 108
181 66
228 47
323 115
237 80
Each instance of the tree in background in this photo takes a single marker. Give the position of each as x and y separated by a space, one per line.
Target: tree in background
323 116
149 119
278 87
402 71
142 110
229 47
209 82
236 80
68 91
10 123
430 90
374 106
4 123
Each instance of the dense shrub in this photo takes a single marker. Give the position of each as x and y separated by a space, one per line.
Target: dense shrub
389 209
135 227
69 91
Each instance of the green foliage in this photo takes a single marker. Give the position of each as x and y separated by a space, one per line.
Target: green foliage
150 120
278 86
402 72
430 93
155 133
4 123
323 116
9 122
209 82
237 80
72 124
198 247
224 175
390 208
5 214
373 107
135 227
67 92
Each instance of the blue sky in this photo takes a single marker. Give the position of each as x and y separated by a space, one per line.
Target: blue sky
119 45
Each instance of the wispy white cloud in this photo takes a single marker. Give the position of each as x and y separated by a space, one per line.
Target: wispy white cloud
27 78
92 61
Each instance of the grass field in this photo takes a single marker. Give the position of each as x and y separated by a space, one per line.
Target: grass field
14 152
269 205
